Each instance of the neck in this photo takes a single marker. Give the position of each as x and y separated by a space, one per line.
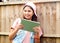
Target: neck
28 19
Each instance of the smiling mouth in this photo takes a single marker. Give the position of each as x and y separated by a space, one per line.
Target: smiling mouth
27 15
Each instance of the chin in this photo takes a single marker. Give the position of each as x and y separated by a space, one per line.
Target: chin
26 18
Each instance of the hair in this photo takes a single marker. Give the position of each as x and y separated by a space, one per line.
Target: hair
0 0
34 17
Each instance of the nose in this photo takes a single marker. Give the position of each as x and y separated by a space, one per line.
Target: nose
27 12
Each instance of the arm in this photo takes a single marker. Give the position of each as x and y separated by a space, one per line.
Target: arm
37 35
36 38
13 31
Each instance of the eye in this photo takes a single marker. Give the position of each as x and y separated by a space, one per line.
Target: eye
25 10
29 10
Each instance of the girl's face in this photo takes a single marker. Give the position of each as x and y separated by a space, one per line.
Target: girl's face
27 13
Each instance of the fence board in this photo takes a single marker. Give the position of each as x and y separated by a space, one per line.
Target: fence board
58 18
0 19
7 19
48 16
3 26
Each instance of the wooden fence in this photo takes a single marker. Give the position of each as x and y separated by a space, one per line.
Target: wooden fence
48 15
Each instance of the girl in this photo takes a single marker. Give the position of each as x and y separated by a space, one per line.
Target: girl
17 35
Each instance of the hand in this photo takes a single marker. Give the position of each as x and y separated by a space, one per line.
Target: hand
20 26
38 30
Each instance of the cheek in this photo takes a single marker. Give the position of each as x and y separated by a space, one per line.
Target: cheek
24 14
31 14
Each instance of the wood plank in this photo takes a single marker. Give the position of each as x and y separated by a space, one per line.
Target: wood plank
2 39
58 21
20 13
57 18
47 18
53 18
57 40
48 40
23 2
0 19
4 33
11 15
7 18
3 20
52 35
43 8
16 11
7 39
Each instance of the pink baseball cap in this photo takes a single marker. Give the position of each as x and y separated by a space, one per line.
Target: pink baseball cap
32 5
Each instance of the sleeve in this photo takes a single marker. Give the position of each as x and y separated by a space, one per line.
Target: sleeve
16 22
40 33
